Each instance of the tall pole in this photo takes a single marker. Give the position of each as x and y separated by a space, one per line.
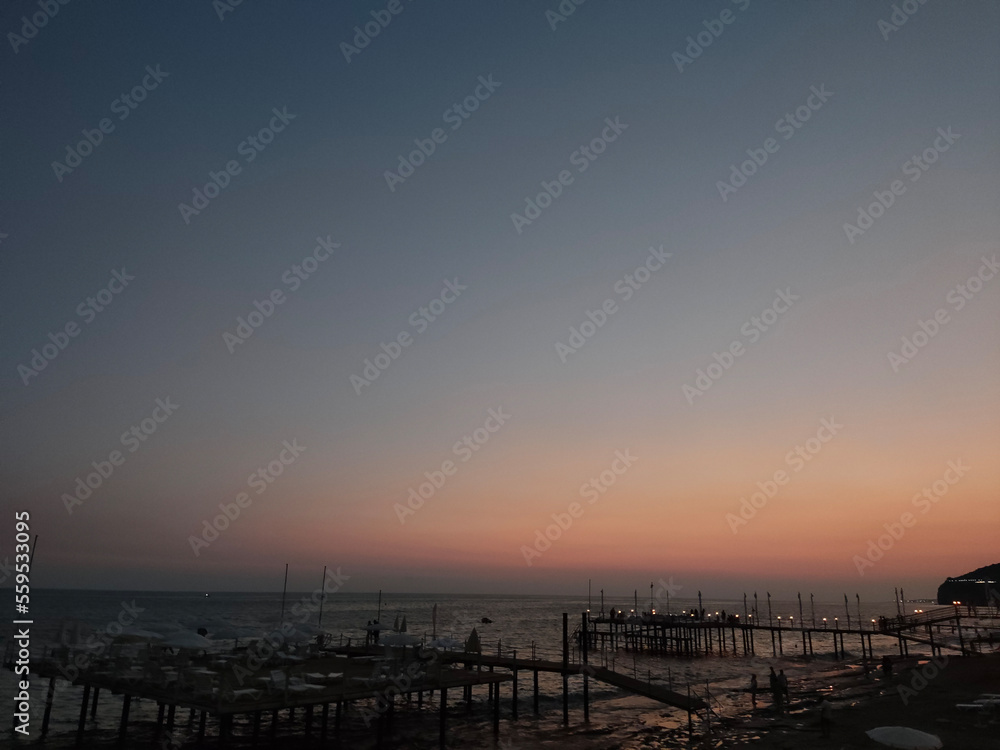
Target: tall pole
322 596
651 607
700 608
755 603
378 617
588 594
847 609
565 668
745 620
812 606
860 621
602 602
284 588
769 621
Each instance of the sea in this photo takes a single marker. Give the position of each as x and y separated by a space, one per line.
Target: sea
527 624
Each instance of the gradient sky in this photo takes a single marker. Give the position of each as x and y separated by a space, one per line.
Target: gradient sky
494 347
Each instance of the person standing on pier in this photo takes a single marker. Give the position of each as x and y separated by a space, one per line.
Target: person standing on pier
753 691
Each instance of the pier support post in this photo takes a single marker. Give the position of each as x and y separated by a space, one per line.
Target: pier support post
48 705
83 714
584 651
513 701
123 726
93 705
496 709
323 721
535 700
443 717
170 716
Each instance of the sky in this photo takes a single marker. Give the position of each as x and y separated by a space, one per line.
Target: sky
502 297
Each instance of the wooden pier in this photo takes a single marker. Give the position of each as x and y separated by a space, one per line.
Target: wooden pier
368 680
687 636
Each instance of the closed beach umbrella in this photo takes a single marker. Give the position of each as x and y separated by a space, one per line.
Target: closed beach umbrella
904 738
402 627
395 624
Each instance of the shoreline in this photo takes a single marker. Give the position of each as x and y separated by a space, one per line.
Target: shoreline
920 694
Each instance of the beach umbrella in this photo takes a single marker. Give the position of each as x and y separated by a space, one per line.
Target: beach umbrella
188 639
400 639
232 633
904 738
395 625
142 634
402 627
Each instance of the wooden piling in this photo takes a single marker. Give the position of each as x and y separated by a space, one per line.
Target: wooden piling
83 714
48 705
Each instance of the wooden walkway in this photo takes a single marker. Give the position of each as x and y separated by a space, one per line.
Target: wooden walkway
645 689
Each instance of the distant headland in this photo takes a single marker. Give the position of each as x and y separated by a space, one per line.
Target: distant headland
980 587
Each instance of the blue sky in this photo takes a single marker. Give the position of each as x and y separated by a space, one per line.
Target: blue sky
655 185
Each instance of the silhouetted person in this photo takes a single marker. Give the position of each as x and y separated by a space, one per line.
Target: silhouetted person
753 690
775 686
825 717
887 665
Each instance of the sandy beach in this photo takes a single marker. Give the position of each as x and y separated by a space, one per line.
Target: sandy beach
863 702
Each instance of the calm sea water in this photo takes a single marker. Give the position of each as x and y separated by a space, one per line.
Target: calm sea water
518 622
